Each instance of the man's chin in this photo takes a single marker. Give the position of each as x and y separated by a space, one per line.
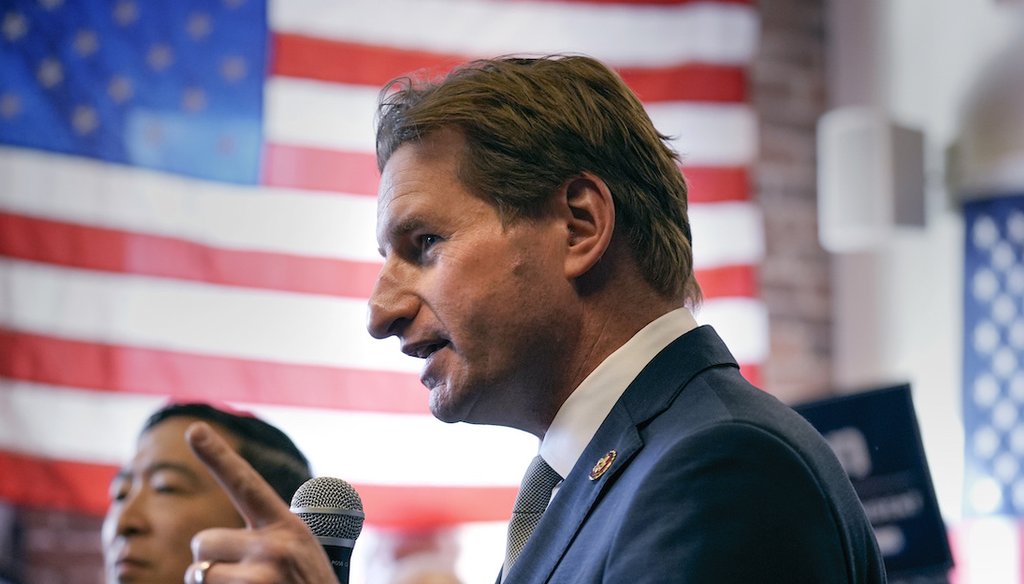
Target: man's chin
440 405
449 410
447 416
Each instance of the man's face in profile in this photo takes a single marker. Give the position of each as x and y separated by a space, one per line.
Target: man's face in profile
482 303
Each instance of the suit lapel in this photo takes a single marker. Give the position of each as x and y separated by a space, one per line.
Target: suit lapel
649 394
574 501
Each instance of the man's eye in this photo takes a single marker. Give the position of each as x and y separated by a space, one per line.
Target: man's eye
118 490
169 483
428 241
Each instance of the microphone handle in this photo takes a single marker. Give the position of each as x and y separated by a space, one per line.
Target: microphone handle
340 555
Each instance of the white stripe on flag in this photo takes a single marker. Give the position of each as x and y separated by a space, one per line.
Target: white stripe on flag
333 116
990 550
195 318
417 449
743 325
337 116
101 427
81 425
89 192
719 33
726 234
707 134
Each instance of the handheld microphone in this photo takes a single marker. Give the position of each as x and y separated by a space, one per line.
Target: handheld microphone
333 511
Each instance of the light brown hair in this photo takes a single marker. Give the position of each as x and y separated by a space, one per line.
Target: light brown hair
531 124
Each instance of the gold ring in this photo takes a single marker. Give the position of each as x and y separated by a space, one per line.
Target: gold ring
199 576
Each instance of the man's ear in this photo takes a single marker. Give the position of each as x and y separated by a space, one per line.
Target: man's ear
591 221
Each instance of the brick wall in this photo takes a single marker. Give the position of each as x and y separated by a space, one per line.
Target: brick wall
788 89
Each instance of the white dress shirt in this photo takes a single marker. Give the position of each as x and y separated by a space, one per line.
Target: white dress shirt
586 408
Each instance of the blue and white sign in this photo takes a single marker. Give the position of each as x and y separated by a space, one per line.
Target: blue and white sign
875 435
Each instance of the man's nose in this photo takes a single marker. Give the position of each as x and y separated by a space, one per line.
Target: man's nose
131 517
392 304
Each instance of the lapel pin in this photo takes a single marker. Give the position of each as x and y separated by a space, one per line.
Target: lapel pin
602 466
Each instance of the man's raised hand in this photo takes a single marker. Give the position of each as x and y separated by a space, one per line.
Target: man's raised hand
275 547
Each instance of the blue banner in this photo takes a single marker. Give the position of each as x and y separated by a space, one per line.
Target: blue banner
875 435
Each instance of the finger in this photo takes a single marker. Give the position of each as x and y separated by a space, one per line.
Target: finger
222 544
216 572
279 553
255 500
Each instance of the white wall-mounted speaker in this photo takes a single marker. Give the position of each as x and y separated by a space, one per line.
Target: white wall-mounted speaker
870 179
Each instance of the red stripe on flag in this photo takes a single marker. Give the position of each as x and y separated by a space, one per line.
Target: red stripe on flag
352 63
186 376
355 173
708 184
374 65
422 506
752 373
729 281
109 250
55 484
302 167
689 82
77 486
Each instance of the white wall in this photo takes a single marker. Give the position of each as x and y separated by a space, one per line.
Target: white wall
897 308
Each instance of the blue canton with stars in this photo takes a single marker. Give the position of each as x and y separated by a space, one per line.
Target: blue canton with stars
173 86
993 354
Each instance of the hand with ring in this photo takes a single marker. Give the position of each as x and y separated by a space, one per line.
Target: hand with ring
199 572
274 547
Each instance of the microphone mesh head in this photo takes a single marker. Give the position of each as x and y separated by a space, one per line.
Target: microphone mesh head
329 493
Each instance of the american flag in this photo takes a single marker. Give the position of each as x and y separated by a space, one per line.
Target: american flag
993 397
187 212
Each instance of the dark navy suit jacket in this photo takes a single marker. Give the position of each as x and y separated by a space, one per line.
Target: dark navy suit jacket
714 481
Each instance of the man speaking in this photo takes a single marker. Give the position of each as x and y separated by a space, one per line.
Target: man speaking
537 257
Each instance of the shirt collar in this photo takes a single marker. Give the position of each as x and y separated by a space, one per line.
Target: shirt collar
589 404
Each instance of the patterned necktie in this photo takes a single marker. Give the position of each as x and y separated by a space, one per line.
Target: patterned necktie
532 500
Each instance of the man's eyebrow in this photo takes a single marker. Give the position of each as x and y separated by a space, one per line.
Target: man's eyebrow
173 467
400 229
125 474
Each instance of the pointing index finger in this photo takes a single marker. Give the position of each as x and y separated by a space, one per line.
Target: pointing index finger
255 500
